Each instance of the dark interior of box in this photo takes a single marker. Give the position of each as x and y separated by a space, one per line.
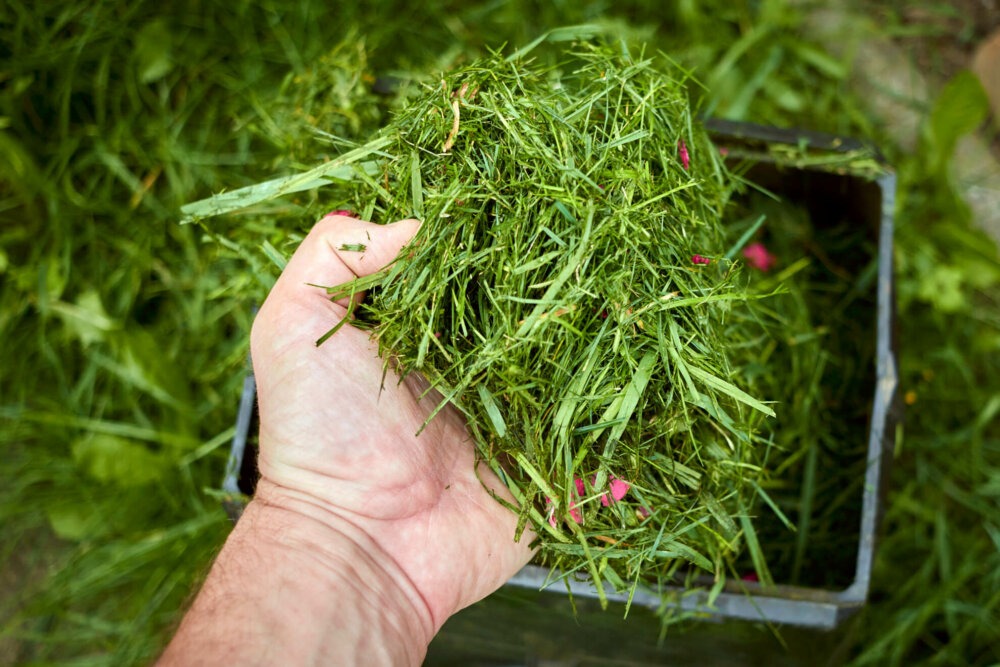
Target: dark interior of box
844 213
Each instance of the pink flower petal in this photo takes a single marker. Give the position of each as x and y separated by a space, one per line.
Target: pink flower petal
682 149
619 488
574 513
698 259
758 257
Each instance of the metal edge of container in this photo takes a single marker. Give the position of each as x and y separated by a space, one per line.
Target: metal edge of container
234 499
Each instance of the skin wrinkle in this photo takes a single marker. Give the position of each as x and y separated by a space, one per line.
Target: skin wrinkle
419 500
355 579
427 467
376 607
420 531
376 557
430 472
293 387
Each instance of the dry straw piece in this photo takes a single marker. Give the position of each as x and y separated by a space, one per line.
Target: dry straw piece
568 292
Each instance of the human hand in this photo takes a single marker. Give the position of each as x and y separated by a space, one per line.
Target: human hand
362 538
338 445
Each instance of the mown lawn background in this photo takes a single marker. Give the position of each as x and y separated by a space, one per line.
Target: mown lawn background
123 335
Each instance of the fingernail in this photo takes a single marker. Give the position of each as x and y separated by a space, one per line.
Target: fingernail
345 212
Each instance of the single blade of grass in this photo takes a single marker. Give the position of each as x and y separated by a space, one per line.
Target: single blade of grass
730 390
342 168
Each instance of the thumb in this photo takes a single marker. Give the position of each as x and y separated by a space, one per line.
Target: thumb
339 249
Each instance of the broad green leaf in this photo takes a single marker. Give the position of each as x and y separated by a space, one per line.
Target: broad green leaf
942 286
958 110
153 51
69 522
86 319
720 514
113 460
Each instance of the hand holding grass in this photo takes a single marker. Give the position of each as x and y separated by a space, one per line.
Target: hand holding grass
363 536
563 297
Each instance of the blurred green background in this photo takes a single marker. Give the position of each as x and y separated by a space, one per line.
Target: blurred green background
124 334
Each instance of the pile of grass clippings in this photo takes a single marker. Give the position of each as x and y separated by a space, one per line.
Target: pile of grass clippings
568 291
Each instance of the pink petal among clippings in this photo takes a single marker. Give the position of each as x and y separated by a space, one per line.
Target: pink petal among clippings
682 150
551 512
619 488
581 490
574 513
759 257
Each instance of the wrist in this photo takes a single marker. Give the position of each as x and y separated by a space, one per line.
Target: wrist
290 588
345 574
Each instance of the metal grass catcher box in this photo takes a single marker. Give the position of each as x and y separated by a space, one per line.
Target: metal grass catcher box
843 186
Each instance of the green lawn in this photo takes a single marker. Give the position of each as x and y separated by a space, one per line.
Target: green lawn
124 334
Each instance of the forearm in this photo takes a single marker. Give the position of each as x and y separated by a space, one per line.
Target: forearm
287 589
